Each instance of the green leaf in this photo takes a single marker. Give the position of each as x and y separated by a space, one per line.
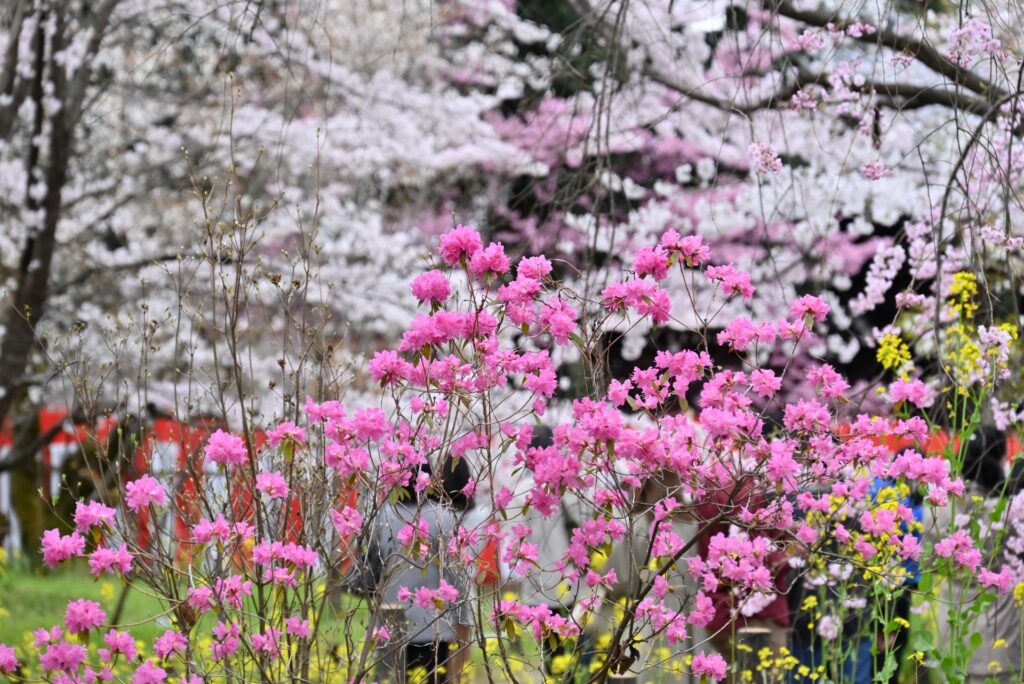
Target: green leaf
949 668
889 669
922 640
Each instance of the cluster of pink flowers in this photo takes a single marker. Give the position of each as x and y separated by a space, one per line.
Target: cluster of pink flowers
430 599
272 484
731 281
57 548
764 158
93 514
724 463
110 560
960 547
972 40
83 616
540 620
286 432
226 449
431 287
144 492
874 170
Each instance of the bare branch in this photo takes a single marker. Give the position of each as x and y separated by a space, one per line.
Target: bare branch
923 52
76 89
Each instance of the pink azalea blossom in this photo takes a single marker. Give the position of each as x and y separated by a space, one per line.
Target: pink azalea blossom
117 642
489 261
267 642
63 657
83 616
286 431
149 673
297 626
205 530
272 484
458 243
57 549
8 661
226 640
809 306
827 381
233 590
93 514
765 383
143 492
533 268
348 521
201 598
731 281
1003 581
431 287
169 642
691 249
226 449
388 368
713 666
108 560
912 391
651 261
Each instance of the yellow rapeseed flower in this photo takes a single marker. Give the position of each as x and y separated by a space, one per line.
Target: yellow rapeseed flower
962 293
892 352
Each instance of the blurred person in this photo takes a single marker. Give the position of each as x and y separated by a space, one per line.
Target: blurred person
543 584
629 557
430 631
896 643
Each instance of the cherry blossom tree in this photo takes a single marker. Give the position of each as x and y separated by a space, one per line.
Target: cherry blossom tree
301 155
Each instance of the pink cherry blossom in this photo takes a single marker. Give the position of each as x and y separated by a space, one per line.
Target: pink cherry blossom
764 158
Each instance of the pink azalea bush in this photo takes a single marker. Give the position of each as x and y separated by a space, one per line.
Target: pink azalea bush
471 378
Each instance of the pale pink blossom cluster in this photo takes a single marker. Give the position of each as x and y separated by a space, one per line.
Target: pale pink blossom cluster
970 41
764 158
